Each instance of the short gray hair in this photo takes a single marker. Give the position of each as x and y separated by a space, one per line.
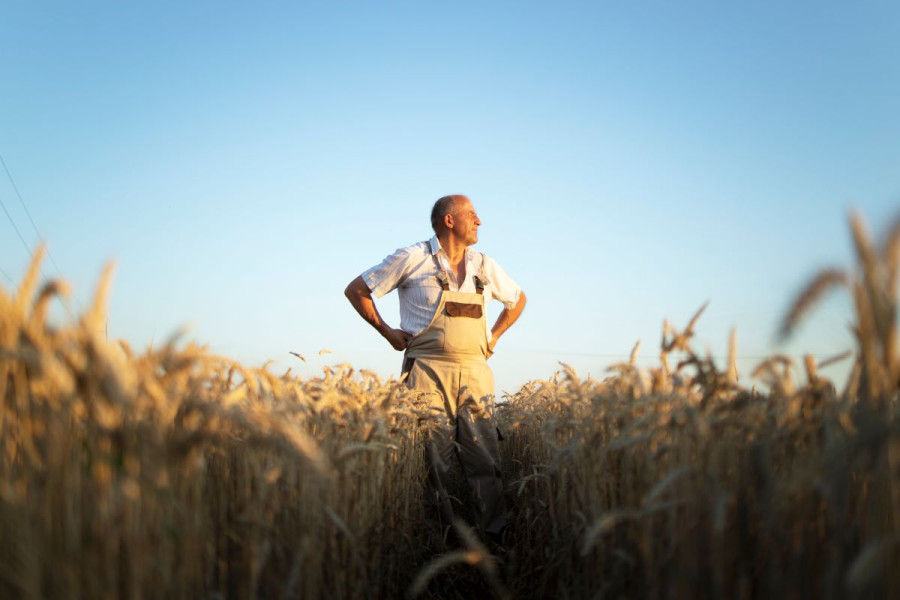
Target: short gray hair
443 207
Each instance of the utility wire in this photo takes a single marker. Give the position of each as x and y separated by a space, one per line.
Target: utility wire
656 356
22 201
65 301
13 223
8 278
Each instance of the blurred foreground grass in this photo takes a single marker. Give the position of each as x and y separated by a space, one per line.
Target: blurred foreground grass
179 474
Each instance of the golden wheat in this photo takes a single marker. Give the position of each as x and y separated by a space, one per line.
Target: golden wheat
174 472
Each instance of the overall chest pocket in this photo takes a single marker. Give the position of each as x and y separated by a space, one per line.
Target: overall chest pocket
464 331
463 309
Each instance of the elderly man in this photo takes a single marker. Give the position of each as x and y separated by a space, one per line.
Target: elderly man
444 289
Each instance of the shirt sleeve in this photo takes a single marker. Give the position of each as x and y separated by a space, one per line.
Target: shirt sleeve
503 288
387 275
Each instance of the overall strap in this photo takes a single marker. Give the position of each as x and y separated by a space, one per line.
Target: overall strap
442 276
480 280
479 285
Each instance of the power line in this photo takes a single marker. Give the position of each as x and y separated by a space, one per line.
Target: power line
8 278
645 357
13 223
65 301
27 212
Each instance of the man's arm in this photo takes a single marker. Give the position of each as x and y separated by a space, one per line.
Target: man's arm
507 317
360 296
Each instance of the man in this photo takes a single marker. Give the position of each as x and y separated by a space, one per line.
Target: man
444 289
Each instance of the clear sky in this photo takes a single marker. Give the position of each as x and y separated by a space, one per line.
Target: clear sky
242 162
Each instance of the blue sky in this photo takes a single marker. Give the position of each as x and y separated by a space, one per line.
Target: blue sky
242 162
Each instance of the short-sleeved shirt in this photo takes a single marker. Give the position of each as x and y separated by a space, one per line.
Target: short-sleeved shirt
413 272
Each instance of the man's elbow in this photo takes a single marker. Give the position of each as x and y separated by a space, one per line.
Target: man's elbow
522 300
356 289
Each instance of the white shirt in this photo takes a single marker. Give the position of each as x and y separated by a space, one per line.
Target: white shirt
413 273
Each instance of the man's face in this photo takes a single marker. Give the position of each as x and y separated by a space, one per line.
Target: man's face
465 223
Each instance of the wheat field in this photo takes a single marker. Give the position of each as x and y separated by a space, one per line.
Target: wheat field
179 474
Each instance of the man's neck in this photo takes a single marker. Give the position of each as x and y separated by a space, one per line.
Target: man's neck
455 251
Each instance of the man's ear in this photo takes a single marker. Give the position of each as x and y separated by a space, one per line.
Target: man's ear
448 221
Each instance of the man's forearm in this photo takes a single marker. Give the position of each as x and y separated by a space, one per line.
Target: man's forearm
360 298
507 317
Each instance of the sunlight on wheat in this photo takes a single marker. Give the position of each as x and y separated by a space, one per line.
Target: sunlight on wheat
177 472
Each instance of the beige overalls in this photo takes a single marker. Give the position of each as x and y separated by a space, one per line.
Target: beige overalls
447 362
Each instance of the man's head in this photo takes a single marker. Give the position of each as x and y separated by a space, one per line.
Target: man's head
454 215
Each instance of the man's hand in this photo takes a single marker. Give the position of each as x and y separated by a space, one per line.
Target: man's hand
360 297
397 338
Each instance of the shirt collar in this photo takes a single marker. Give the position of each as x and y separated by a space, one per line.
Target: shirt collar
436 247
